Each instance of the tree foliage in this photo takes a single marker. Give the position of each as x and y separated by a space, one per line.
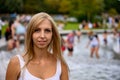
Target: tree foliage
52 6
65 6
87 7
78 8
110 4
14 5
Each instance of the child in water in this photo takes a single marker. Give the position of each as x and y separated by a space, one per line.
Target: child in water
94 44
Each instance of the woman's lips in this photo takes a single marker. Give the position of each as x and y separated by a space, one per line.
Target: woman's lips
41 42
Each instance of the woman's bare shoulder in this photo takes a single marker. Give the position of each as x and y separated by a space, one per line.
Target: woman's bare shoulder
65 71
13 68
14 60
64 65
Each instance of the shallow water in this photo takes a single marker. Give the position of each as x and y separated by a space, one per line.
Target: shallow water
82 67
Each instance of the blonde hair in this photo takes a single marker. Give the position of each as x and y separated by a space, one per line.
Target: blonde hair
55 44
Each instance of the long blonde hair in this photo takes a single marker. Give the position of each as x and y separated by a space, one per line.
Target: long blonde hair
55 44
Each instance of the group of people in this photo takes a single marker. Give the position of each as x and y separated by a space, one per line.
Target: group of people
94 42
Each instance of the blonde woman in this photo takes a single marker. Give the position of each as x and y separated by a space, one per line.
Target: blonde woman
42 59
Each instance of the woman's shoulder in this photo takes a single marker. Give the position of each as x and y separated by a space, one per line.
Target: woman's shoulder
64 70
13 68
64 64
14 60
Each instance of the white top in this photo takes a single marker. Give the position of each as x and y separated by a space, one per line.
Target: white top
94 41
26 75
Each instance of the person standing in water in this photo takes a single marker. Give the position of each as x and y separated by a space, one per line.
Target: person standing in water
70 43
42 59
105 37
78 34
63 46
94 44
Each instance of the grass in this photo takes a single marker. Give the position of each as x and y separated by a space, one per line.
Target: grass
71 26
75 26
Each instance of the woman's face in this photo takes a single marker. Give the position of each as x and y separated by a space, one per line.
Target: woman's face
42 34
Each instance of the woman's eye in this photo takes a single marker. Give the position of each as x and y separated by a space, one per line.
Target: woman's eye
36 30
47 30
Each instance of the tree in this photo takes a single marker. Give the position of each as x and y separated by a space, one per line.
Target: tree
109 4
87 7
112 12
2 6
32 6
65 6
14 5
52 6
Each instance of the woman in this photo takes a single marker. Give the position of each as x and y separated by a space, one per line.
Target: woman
42 59
94 44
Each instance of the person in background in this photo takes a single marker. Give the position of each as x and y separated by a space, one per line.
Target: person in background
11 43
8 31
105 43
18 31
94 44
115 35
78 34
70 43
116 40
63 42
42 59
105 34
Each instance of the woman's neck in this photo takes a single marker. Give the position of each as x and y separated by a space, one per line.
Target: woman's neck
40 53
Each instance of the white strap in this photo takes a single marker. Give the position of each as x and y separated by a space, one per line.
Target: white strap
21 60
58 66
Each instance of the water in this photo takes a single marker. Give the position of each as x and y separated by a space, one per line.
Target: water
81 66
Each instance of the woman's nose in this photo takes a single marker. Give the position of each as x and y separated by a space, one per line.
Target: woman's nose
42 34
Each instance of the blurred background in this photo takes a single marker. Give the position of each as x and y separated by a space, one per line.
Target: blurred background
95 11
102 17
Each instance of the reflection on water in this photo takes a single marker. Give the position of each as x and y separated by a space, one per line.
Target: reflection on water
93 69
82 67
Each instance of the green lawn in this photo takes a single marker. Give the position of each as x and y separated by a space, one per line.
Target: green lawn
75 26
71 26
